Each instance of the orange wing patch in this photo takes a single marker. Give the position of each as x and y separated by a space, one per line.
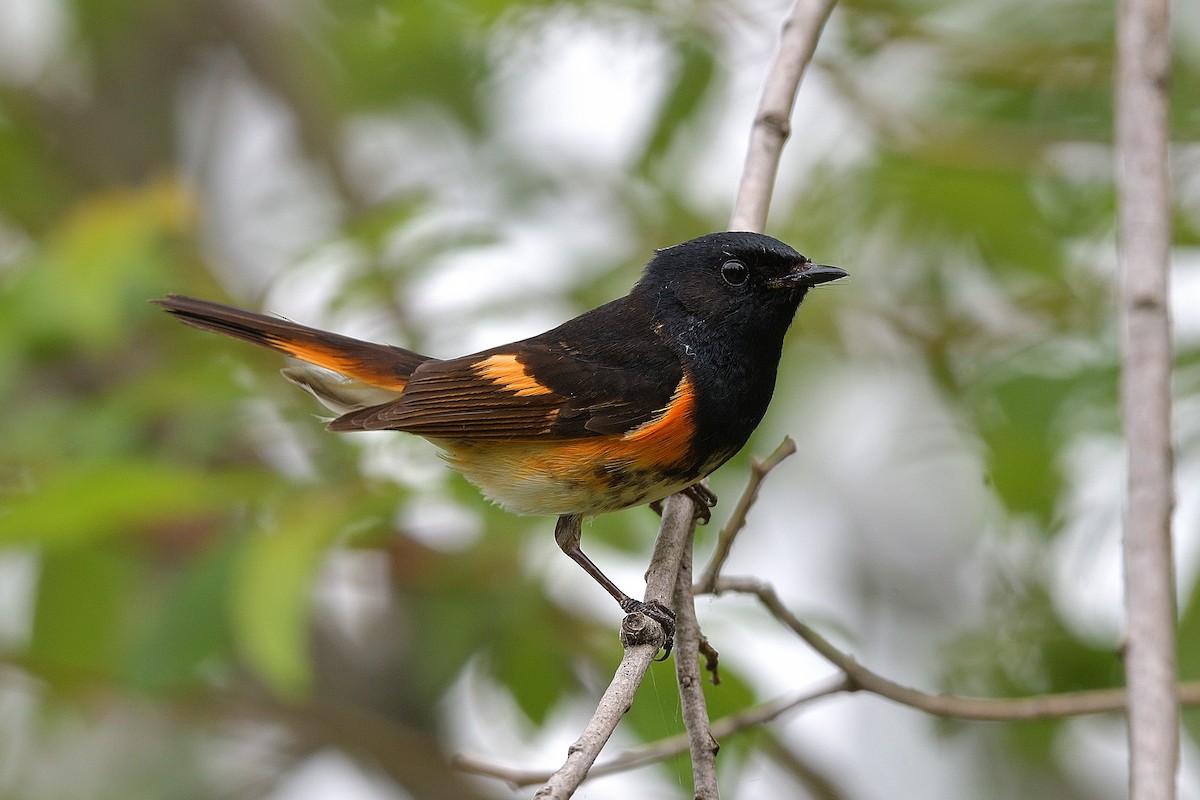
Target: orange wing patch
510 374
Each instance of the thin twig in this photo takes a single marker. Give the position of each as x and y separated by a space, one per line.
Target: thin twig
1143 72
663 748
702 745
772 121
737 519
1066 704
809 778
712 659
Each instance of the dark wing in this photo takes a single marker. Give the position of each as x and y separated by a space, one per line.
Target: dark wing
585 378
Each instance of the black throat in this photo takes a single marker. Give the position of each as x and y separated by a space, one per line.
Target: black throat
733 370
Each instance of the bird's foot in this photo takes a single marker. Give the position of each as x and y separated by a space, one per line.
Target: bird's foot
660 614
702 499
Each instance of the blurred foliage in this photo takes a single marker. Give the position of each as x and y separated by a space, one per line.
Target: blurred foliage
178 505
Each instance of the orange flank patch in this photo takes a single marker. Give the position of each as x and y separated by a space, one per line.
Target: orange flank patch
510 374
667 438
383 375
588 475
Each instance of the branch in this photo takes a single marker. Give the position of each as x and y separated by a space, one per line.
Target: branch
772 122
674 538
1066 704
1143 67
411 756
737 520
663 748
701 743
809 779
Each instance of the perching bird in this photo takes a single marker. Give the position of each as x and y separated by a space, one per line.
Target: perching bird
625 404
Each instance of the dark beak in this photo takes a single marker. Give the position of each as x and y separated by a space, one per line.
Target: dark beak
808 274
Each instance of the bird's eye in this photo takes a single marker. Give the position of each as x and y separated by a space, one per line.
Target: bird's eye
735 273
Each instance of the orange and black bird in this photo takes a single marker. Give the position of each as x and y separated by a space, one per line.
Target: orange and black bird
625 404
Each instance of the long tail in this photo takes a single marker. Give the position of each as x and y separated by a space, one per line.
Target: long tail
379 365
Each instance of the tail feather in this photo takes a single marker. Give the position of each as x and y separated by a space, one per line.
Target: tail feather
338 394
378 365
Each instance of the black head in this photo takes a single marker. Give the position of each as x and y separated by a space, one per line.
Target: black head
744 284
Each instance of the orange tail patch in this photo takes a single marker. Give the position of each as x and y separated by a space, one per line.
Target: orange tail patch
379 365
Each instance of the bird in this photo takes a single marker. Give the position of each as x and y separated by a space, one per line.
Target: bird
623 405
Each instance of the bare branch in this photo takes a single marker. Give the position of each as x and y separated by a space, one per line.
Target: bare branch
515 777
1143 66
1067 704
810 780
663 748
702 745
853 677
613 705
772 122
737 519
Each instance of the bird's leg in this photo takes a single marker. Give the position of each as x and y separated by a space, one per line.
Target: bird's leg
567 532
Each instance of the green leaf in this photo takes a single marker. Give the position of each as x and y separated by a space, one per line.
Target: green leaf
1022 443
91 501
684 99
960 197
391 52
534 666
34 184
80 613
190 628
271 603
98 267
1024 648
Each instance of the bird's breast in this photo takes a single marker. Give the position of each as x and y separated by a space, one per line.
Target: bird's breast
734 384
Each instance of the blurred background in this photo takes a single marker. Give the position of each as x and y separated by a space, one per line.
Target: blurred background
204 595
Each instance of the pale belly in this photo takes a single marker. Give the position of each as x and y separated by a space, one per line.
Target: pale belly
587 476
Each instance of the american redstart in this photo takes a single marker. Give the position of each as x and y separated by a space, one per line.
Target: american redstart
625 404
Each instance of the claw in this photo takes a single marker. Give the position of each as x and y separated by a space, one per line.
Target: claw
704 500
660 614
